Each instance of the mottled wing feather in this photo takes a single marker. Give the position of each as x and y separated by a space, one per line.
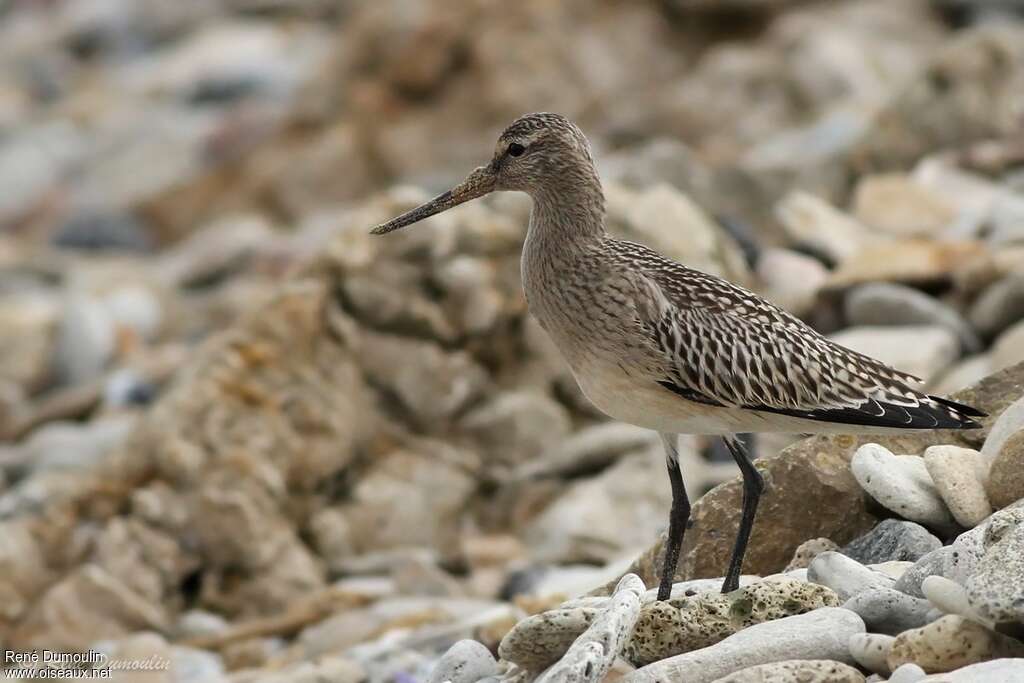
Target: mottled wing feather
725 346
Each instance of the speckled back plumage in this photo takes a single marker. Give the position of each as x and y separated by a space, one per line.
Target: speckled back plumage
619 308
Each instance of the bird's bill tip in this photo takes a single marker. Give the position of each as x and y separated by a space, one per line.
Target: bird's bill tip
479 183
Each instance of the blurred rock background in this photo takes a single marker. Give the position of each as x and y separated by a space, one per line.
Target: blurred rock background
243 435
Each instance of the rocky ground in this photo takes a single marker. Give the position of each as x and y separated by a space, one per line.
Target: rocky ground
242 437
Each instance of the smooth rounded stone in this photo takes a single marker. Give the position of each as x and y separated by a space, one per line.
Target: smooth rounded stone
516 426
950 643
191 665
962 374
820 634
951 561
66 445
101 231
808 550
685 624
791 279
947 595
999 306
871 650
892 539
197 623
538 641
86 339
797 671
958 474
685 589
896 204
902 484
885 303
588 449
995 590
136 308
888 611
467 661
1005 483
846 576
1008 348
1009 422
812 221
893 569
908 673
1005 670
921 350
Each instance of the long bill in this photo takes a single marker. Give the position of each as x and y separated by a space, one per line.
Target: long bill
477 184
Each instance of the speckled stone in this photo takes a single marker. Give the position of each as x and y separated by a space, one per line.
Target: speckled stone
797 671
995 590
948 596
892 539
950 643
959 475
954 562
821 633
1006 476
871 650
1006 670
467 661
537 642
908 673
885 610
690 623
900 483
808 550
846 576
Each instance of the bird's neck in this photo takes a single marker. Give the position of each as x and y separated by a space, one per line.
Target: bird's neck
567 217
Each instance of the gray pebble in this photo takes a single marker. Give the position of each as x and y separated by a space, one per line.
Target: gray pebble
908 673
846 576
885 610
466 661
893 539
951 561
884 303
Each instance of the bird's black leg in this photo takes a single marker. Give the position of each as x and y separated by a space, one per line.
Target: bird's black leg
678 517
753 486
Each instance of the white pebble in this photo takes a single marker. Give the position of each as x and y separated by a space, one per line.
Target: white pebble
901 484
954 471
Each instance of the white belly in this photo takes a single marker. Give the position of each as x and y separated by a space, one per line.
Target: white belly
642 402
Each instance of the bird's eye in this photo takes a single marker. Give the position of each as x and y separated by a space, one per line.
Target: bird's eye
515 149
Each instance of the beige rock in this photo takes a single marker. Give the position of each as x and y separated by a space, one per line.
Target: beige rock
538 641
1006 476
871 650
815 472
685 624
894 204
797 671
696 241
791 279
1008 348
87 605
600 518
808 550
959 475
433 482
812 221
950 643
913 262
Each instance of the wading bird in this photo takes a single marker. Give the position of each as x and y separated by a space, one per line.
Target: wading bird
669 348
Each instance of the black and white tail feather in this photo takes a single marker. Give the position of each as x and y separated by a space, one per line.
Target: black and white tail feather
724 346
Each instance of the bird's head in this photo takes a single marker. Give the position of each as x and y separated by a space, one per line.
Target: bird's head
536 154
